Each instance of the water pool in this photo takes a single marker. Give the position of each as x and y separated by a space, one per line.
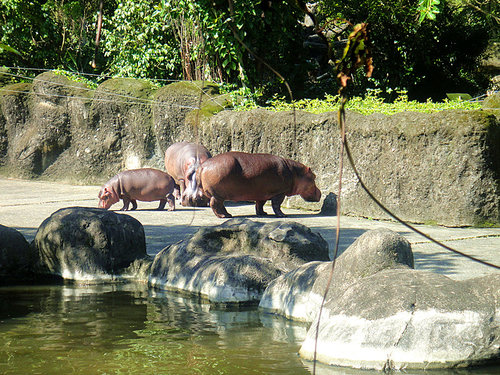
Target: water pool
130 329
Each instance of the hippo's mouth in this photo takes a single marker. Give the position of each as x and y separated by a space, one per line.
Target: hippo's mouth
315 197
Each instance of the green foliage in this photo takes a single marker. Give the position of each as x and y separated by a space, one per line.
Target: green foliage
428 9
242 98
273 36
426 47
371 103
138 43
49 33
91 84
427 58
6 48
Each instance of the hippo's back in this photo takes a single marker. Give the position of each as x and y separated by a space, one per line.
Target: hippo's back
243 176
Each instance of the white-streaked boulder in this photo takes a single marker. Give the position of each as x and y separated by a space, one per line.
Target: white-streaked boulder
406 319
298 294
380 313
235 261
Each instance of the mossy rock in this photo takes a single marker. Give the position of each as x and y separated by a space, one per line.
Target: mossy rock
208 108
188 88
56 88
15 89
126 89
492 102
173 116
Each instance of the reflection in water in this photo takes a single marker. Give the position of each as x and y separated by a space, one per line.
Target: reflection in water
127 329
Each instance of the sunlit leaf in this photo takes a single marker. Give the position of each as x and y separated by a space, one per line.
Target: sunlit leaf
7 48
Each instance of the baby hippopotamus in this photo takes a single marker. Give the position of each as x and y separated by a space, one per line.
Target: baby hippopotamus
145 184
240 176
182 159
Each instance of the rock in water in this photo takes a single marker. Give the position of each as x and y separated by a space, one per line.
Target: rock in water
81 243
236 261
381 314
405 319
17 258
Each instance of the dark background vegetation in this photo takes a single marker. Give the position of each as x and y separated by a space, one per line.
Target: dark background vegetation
188 39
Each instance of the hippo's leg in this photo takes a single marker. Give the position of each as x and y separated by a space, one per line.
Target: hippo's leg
259 208
177 191
276 204
134 204
202 202
126 203
171 202
182 188
218 208
163 202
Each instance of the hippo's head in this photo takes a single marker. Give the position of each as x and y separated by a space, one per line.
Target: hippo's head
106 198
194 197
195 201
305 186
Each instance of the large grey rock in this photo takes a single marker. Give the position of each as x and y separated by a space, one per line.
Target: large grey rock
83 244
404 319
17 257
298 294
41 130
379 313
234 262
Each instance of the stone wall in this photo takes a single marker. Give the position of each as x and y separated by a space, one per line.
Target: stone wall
441 168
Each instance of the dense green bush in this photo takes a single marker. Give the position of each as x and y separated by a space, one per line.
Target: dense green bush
138 43
50 33
188 39
209 27
427 59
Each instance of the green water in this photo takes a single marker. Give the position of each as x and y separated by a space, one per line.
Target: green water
129 329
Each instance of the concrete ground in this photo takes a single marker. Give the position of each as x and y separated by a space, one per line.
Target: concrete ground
25 204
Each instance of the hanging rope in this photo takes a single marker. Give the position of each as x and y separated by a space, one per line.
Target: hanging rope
357 54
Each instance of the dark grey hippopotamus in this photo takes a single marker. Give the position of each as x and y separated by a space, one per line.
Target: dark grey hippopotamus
239 176
182 159
145 184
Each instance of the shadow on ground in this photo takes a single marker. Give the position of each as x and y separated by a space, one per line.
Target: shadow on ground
160 236
441 262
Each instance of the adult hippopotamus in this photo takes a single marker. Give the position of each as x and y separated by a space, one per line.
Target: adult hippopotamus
145 184
239 176
182 159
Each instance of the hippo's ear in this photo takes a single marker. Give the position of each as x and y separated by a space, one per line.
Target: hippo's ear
308 170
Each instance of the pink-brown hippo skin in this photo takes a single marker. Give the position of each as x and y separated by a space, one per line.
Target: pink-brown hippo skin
145 184
182 159
239 176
